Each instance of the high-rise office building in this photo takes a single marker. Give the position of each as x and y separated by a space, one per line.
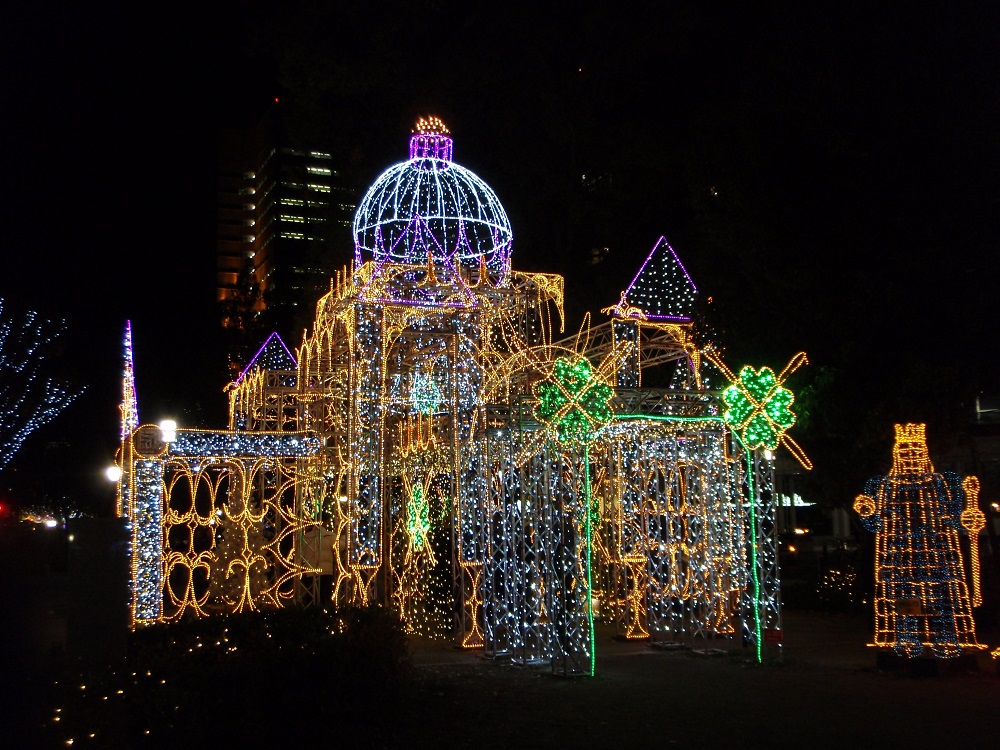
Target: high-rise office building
284 218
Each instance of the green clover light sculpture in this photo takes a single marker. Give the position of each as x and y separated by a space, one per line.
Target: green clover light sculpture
759 406
573 401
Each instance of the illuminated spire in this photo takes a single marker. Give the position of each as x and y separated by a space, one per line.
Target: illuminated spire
129 407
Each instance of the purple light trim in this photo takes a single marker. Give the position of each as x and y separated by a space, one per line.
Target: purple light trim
130 405
274 334
431 146
128 342
663 241
681 318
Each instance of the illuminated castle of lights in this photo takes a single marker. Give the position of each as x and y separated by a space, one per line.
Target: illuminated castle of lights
438 446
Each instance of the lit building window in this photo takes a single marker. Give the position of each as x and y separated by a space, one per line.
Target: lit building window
319 188
318 170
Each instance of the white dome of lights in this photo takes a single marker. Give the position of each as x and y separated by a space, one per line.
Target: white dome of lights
430 207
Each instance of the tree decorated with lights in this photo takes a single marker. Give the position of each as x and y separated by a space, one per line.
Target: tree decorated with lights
239 569
418 522
29 398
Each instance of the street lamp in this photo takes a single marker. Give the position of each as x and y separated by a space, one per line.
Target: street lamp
168 430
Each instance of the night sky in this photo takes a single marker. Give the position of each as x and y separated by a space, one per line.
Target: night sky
829 178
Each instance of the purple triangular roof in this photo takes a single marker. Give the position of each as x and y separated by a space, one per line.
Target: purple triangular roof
272 355
662 288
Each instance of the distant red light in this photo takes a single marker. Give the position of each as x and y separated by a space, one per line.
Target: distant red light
275 100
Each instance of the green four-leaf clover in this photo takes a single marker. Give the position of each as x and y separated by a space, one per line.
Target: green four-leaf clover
759 407
574 401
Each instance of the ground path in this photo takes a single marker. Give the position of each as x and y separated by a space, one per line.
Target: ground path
826 692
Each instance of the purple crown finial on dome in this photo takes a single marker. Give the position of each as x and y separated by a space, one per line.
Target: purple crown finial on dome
431 140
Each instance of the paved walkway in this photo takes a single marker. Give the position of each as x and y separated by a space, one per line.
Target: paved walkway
825 693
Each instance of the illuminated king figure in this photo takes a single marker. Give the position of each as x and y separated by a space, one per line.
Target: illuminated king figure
921 597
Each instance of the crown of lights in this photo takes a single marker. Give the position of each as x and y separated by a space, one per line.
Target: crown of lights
429 207
911 433
909 454
431 125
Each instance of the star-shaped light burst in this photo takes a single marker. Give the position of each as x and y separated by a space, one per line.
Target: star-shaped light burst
573 401
760 406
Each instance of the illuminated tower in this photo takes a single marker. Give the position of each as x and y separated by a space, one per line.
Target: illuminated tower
921 597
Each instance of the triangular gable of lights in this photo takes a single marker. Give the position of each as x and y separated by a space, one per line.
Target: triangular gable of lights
662 289
272 355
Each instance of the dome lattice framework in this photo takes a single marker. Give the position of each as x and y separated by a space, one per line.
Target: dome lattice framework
431 207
